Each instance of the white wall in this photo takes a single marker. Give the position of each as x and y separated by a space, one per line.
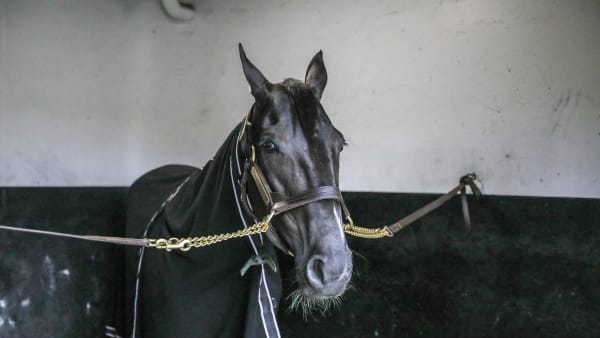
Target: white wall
97 92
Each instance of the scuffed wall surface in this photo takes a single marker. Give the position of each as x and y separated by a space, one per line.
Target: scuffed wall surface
528 268
61 287
98 92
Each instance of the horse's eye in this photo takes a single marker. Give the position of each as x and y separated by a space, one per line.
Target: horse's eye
269 147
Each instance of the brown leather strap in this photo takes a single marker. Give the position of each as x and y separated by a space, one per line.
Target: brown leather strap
104 239
317 194
467 180
271 201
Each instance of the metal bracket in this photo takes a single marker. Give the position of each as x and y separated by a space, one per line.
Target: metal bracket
258 260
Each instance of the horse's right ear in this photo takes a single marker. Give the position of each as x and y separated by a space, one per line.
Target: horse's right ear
258 83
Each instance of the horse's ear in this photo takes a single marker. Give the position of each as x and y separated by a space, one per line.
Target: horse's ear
316 75
258 83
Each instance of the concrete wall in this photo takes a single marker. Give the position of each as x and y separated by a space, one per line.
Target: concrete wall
97 92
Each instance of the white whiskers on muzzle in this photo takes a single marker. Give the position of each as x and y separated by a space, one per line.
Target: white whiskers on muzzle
305 304
305 301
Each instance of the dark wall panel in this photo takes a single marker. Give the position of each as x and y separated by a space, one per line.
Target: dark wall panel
54 287
529 267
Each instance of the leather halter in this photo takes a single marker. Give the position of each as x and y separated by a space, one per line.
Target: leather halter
259 200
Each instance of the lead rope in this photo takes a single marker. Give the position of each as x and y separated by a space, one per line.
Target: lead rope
174 243
185 244
467 180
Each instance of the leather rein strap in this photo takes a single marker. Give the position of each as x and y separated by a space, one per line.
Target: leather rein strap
104 239
317 194
465 181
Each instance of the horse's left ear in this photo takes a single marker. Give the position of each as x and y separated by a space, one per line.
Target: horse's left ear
316 75
258 83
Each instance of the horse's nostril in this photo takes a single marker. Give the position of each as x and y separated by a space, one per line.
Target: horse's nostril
314 272
323 274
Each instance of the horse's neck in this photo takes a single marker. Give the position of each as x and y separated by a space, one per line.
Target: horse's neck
208 202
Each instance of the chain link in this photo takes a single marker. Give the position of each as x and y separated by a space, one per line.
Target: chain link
369 233
185 244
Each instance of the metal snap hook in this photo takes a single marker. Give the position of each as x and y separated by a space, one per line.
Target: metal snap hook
171 244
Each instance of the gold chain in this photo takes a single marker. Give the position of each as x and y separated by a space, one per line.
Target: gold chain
370 233
184 244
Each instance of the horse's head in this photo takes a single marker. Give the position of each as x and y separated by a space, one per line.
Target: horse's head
298 150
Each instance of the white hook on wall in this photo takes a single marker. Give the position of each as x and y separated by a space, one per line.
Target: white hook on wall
181 10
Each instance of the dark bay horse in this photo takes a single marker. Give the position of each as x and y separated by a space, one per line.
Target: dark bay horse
200 292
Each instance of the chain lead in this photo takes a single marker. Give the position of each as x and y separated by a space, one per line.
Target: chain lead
185 244
361 232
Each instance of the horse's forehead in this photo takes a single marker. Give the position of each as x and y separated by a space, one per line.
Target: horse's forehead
281 101
297 100
290 93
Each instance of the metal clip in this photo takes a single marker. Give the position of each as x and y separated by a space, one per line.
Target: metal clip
469 180
245 125
267 219
171 244
252 154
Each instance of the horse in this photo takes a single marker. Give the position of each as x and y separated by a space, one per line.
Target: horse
281 163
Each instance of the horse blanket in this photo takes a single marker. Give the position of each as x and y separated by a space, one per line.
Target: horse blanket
198 293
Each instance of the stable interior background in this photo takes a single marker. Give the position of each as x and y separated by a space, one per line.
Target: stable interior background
98 92
95 93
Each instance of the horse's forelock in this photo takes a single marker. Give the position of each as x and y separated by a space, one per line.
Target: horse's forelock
307 106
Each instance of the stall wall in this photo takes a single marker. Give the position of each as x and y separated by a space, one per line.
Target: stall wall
95 93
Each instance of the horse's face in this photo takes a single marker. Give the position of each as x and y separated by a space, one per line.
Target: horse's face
298 149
